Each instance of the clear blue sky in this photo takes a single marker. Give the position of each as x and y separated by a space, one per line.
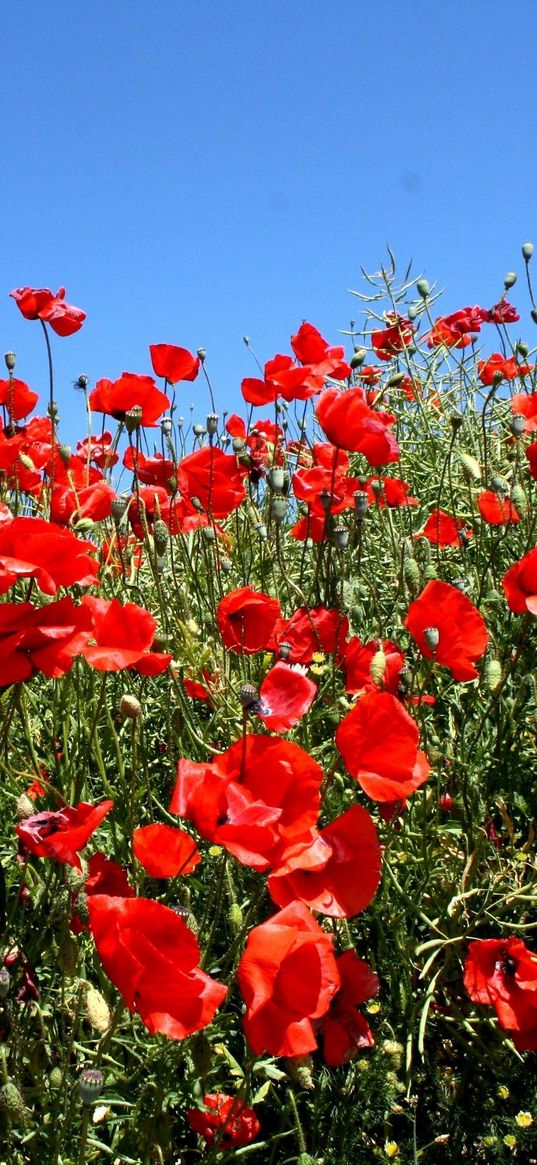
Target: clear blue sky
193 171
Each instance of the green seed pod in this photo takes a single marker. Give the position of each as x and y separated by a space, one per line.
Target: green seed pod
510 280
13 1105
518 498
133 418
522 349
278 510
422 288
55 1079
492 676
208 534
411 574
518 424
358 357
527 252
300 1068
90 1085
10 359
377 667
76 879
471 470
160 536
235 917
202 1053
96 1009
429 572
431 636
67 953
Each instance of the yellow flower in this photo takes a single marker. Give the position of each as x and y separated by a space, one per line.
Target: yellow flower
524 1120
318 669
391 1149
510 1141
373 1008
318 657
215 850
503 1091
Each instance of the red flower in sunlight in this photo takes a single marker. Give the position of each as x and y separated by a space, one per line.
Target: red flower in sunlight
389 341
531 454
93 501
357 660
62 834
44 639
225 1119
17 397
42 304
350 424
520 585
246 620
309 485
173 363
378 741
164 851
155 470
442 530
311 348
458 329
152 958
32 548
201 691
285 696
123 636
213 479
389 491
99 450
343 1029
287 977
336 871
502 313
282 377
254 799
502 973
460 628
505 368
104 877
130 391
525 405
497 511
310 630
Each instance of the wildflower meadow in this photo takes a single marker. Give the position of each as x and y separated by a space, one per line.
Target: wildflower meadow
268 713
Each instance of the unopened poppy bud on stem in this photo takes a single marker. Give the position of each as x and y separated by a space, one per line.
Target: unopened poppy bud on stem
358 357
378 667
422 288
510 280
130 706
527 251
10 359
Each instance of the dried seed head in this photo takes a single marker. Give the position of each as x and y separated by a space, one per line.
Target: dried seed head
25 807
248 696
471 470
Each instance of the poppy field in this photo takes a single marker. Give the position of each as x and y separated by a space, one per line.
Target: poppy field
268 714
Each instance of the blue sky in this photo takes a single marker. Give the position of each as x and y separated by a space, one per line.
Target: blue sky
194 171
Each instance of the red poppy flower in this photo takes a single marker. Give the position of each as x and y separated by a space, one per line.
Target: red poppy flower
17 397
311 348
309 485
443 530
287 977
155 470
282 377
506 367
310 630
164 851
130 391
104 877
93 501
285 695
32 548
152 958
336 871
457 330
370 374
343 1029
173 363
502 973
200 691
246 620
389 491
123 636
520 585
531 454
525 405
462 633
350 424
60 835
497 511
44 639
254 799
357 660
378 741
225 1119
214 479
99 450
389 341
42 304
502 313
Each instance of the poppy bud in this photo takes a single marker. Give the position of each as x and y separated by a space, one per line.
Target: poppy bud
429 572
300 1068
248 696
518 424
166 426
202 1053
25 807
412 312
67 953
235 917
27 462
82 382
518 498
226 565
361 504
533 314
201 354
377 667
456 421
64 451
119 508
395 379
285 650
276 478
10 359
261 531
340 538
358 357
422 288
212 424
445 802
130 706
199 430
96 1009
510 280
160 536
13 1105
133 418
5 979
493 674
412 575
522 349
431 636
527 251
278 509
90 1085
470 467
